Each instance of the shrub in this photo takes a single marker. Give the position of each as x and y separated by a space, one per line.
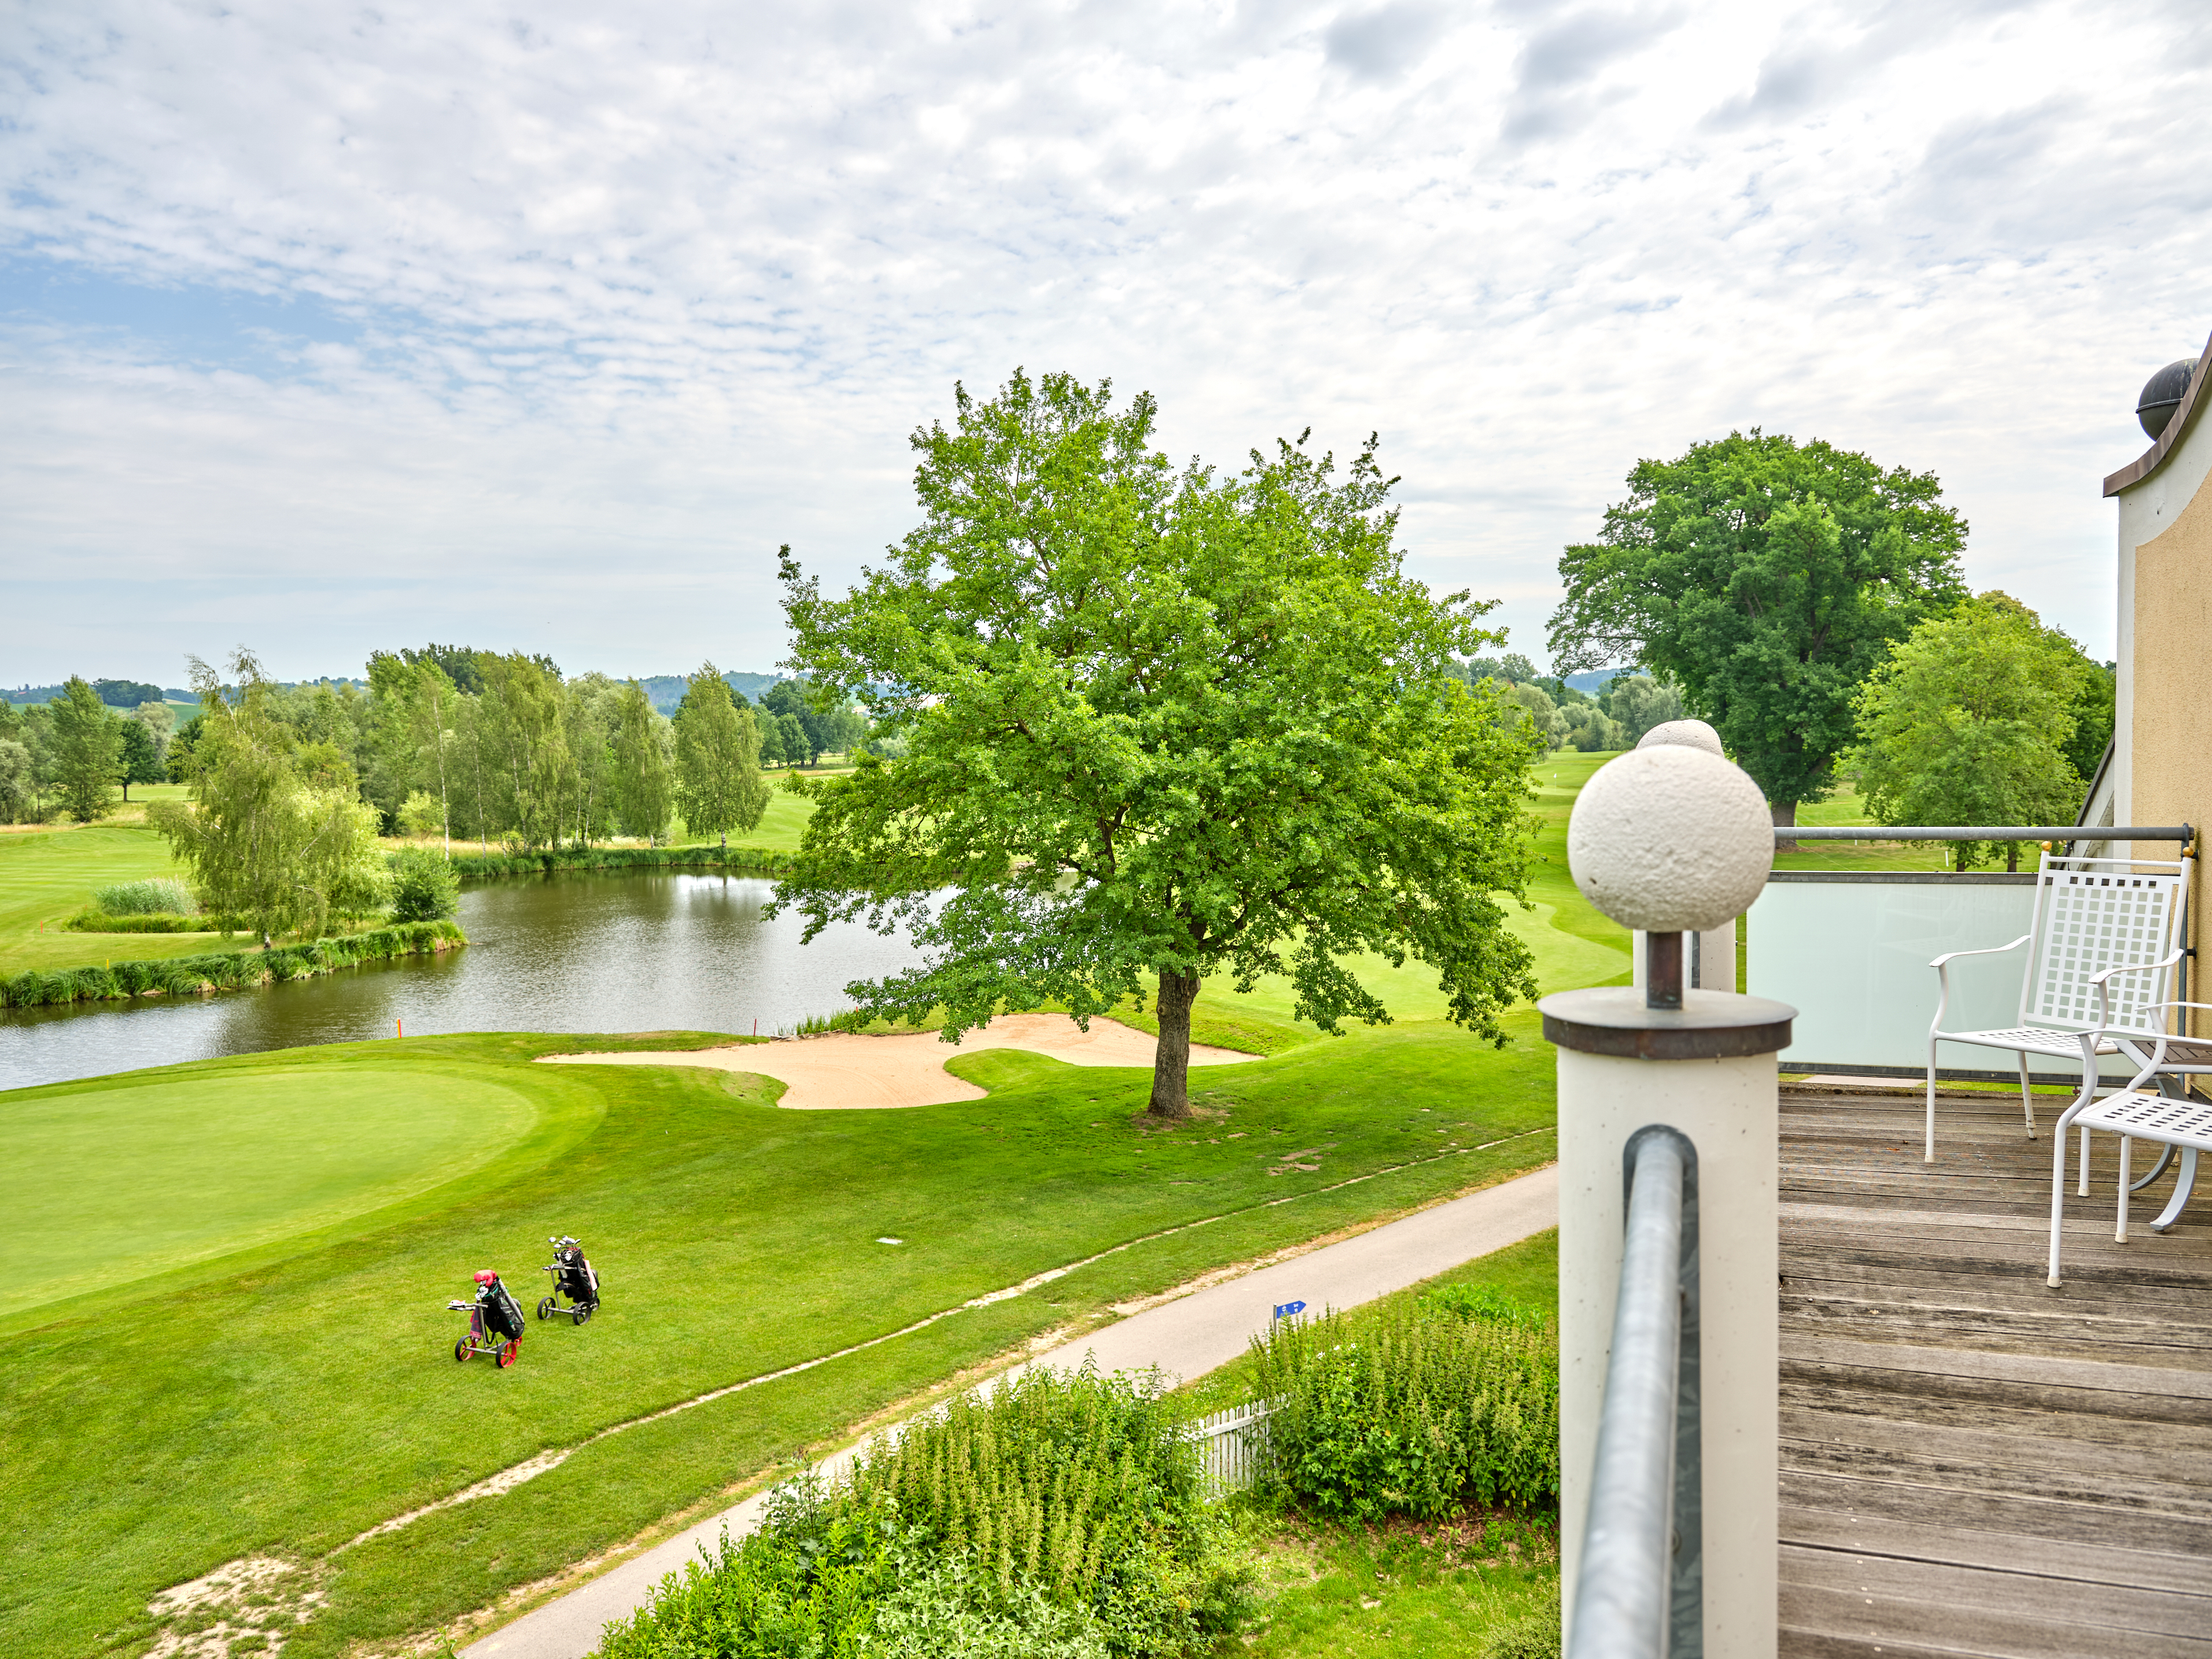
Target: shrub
161 897
225 970
423 886
1469 1302
1533 1635
98 922
1410 1409
1059 1517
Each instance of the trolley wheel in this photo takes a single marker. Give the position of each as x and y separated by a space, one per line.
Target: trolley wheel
461 1349
545 1307
507 1353
578 1316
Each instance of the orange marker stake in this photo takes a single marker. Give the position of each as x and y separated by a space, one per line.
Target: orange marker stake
399 1026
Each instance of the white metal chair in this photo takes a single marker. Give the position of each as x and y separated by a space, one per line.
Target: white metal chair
2091 916
2177 1122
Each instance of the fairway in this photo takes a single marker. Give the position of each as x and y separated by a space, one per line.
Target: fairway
104 1184
224 1274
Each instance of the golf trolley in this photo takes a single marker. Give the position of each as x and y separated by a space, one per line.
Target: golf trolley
573 1277
495 1322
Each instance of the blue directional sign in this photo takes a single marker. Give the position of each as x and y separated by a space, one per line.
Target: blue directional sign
1284 1310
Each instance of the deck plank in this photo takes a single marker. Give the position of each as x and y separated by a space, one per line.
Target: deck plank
1971 1462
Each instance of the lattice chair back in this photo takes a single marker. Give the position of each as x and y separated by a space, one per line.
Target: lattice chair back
2095 913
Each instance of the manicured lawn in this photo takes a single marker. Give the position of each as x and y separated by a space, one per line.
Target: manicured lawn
285 1398
48 875
105 1184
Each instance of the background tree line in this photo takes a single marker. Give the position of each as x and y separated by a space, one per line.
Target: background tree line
71 754
1809 604
450 741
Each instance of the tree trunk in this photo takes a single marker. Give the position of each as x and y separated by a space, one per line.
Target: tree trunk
1171 1066
1785 817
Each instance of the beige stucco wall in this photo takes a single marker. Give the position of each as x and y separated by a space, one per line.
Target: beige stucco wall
2169 741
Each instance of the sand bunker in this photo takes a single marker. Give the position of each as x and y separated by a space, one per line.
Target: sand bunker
843 1072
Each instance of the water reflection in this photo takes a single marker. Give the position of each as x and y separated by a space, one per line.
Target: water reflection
558 953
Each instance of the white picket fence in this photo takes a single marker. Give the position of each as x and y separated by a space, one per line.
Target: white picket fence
1229 1443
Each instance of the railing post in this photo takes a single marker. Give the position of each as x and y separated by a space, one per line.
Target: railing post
1669 839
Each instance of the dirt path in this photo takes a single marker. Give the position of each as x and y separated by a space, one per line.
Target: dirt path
844 1072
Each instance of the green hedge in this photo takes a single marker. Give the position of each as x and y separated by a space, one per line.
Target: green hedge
228 970
102 921
750 860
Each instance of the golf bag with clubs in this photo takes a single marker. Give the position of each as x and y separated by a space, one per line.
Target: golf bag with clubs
573 1278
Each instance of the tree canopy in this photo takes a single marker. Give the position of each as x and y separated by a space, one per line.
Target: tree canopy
260 841
1766 579
718 786
1153 725
87 749
1969 720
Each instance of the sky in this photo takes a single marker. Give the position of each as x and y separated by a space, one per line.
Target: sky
329 328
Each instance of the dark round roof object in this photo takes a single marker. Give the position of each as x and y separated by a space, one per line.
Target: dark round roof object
2162 394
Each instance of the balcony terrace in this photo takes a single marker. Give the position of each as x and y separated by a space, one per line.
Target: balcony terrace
1972 1462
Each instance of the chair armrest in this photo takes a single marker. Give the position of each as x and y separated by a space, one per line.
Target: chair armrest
2166 961
2104 990
1942 966
1988 951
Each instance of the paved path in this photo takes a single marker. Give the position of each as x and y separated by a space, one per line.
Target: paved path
1187 1337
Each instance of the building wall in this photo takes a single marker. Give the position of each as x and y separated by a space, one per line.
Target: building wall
2165 755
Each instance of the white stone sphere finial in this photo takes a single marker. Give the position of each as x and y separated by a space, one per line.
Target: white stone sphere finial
1670 839
1688 734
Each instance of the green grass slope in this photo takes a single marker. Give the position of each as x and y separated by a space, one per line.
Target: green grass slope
47 876
286 1397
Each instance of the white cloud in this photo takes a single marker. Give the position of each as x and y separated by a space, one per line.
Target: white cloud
334 329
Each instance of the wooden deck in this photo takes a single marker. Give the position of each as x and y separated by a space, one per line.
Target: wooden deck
1974 1462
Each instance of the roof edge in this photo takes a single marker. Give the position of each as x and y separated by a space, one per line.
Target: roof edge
2192 402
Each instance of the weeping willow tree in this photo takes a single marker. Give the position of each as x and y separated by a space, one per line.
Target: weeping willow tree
260 841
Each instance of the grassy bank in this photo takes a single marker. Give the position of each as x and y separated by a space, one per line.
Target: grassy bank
223 970
294 1324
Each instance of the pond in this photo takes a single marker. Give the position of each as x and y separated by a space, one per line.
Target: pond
569 952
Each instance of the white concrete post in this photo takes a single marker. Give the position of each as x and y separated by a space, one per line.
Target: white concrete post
1666 839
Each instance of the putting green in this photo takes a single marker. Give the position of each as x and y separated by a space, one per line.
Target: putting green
103 1185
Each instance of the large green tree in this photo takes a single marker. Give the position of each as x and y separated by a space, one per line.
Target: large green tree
522 734
414 704
1970 720
718 786
643 767
261 841
139 761
1158 726
87 750
1766 579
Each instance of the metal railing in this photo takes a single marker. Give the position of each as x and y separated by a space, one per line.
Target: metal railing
1640 1592
2066 832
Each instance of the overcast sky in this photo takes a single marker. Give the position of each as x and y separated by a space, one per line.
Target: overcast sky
327 328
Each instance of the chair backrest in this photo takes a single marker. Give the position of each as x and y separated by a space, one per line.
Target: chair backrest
2095 913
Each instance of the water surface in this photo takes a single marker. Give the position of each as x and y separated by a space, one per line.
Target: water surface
564 953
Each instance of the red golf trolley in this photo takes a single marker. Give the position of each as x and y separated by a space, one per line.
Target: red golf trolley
495 1324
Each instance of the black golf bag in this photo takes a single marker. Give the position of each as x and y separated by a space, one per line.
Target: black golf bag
502 1314
573 1278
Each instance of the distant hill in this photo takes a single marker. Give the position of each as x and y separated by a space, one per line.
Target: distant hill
116 694
1591 679
666 691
